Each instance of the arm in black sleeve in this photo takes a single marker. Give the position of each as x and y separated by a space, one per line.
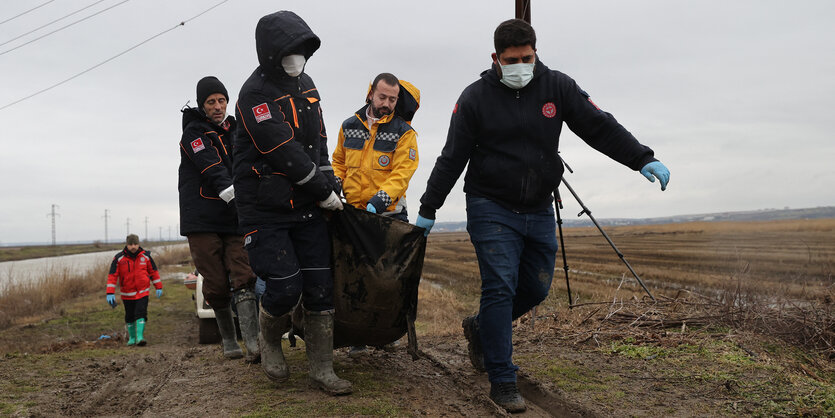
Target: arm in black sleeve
599 129
272 135
197 146
461 139
324 158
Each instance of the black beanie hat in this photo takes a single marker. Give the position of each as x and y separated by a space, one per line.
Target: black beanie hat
208 86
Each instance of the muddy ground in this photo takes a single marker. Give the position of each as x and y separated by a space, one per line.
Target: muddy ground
57 367
176 376
593 360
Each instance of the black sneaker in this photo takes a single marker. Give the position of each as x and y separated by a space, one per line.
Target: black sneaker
506 395
470 326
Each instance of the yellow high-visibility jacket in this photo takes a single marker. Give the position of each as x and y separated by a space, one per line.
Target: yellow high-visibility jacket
375 161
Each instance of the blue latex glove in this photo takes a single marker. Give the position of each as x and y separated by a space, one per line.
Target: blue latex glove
371 208
659 170
159 293
424 223
111 300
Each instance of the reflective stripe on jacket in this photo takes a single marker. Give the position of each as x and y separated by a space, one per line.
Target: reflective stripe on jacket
134 274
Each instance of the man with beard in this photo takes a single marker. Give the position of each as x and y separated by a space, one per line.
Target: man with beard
209 220
376 154
283 180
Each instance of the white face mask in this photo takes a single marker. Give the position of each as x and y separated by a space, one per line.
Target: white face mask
293 64
517 76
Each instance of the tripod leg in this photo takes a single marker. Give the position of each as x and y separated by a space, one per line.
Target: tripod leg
620 255
557 205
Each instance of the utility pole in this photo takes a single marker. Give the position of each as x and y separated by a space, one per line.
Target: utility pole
169 232
523 10
106 216
127 226
146 229
160 233
52 214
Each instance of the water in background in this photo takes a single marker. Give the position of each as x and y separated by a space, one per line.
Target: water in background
36 268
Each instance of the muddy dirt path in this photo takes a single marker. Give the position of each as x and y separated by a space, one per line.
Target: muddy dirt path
174 376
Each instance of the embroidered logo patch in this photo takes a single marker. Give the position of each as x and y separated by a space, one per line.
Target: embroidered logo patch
384 160
412 154
248 240
549 110
262 112
197 145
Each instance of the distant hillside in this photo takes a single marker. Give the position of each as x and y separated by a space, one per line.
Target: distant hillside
753 215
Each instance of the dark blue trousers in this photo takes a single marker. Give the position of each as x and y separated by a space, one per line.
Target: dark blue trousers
516 254
294 262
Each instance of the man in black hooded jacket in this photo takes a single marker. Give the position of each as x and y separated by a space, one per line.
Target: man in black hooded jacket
282 178
209 220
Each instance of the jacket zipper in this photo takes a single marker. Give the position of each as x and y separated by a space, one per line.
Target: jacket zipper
524 188
295 116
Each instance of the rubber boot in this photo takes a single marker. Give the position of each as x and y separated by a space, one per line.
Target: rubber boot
131 326
226 326
318 343
248 320
272 358
140 330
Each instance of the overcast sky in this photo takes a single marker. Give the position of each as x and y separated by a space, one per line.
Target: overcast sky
736 98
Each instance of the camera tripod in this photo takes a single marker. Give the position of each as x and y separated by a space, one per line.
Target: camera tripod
558 206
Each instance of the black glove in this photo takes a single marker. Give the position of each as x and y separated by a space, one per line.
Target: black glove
335 182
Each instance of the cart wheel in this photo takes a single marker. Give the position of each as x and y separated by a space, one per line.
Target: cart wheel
208 333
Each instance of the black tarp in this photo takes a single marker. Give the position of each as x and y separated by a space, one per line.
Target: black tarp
377 263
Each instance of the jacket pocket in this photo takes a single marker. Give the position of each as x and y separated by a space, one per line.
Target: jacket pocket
275 191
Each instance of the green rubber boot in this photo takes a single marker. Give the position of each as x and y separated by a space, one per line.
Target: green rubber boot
140 329
131 326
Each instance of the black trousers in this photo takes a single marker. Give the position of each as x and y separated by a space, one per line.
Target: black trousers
295 262
136 309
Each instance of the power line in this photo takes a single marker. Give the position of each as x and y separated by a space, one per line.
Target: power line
113 57
47 24
63 27
32 9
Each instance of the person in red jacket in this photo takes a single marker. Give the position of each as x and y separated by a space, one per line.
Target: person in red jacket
134 271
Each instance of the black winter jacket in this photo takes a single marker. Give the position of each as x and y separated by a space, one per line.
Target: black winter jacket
510 139
281 165
205 171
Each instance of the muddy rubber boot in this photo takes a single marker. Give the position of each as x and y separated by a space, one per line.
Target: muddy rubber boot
131 326
506 395
140 331
272 358
318 343
470 325
226 326
248 320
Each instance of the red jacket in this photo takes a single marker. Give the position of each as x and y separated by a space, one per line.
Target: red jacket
134 274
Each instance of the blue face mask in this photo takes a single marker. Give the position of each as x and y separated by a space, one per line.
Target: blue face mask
517 76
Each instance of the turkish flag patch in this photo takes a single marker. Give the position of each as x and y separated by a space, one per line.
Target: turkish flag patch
262 112
549 110
197 145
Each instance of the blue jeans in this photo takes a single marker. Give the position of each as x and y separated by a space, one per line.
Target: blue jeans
516 254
